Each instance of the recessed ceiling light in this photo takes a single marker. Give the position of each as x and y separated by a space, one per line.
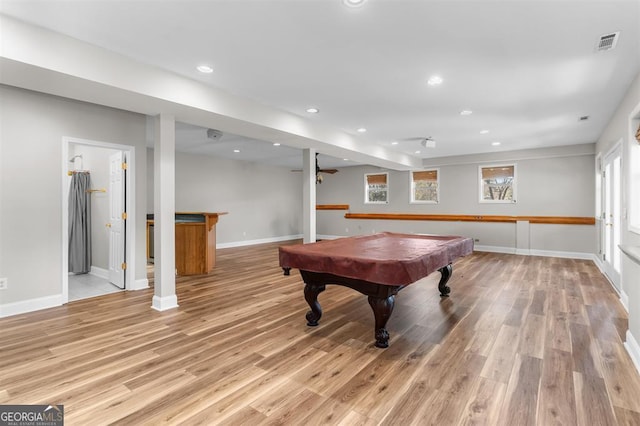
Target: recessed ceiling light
495 143
361 130
394 143
353 3
434 80
484 132
236 150
313 110
345 159
417 152
276 144
466 112
206 69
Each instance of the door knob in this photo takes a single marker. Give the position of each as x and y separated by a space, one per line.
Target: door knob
108 225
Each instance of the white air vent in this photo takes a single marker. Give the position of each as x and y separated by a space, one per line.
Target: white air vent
607 42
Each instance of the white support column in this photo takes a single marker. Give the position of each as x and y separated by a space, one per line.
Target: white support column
522 237
164 210
309 195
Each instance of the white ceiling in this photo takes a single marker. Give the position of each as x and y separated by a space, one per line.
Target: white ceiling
527 69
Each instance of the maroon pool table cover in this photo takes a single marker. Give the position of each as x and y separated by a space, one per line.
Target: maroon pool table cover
384 258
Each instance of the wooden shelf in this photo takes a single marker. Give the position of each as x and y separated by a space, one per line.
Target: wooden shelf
560 220
332 207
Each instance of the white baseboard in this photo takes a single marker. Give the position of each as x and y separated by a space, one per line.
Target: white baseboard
30 305
624 298
564 254
632 347
495 249
260 241
140 284
164 303
327 237
99 272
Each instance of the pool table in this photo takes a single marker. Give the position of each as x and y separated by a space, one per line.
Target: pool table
377 266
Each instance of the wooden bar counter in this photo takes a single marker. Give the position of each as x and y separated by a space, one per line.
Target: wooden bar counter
195 241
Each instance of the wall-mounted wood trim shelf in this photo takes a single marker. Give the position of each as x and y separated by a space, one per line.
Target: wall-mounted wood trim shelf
559 220
332 207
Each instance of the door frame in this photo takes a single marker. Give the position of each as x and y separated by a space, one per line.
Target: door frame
608 263
130 239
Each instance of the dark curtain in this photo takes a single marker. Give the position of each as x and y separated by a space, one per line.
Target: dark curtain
80 223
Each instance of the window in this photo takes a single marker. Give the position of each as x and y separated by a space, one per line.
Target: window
497 183
424 186
376 188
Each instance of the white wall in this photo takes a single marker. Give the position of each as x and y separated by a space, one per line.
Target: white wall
32 128
616 130
263 202
550 182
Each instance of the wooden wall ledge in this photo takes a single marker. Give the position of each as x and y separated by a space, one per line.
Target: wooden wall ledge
332 207
560 220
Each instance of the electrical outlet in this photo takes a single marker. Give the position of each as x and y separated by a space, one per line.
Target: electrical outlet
4 283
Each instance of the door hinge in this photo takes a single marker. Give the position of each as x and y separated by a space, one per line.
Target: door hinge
124 265
124 215
604 256
124 166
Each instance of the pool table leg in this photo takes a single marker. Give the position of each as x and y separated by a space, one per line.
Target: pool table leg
382 309
311 292
446 272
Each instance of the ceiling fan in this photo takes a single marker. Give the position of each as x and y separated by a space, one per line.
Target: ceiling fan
319 170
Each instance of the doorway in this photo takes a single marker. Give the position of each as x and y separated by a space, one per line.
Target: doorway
611 214
110 196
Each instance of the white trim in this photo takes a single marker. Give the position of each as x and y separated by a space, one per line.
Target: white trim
633 349
514 195
30 305
412 188
130 228
328 237
140 284
624 299
495 249
596 259
564 254
99 272
366 188
523 252
260 241
164 303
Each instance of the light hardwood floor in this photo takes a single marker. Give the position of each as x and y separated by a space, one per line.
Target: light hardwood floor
521 341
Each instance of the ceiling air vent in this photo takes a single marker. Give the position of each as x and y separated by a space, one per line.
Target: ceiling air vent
607 42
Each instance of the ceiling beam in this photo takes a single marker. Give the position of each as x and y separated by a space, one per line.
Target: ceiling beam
77 70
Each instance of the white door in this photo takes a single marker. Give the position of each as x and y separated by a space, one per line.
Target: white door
117 219
611 190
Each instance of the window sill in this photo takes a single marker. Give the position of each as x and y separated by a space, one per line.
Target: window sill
632 251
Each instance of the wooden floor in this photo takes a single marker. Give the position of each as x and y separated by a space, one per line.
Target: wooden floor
521 341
